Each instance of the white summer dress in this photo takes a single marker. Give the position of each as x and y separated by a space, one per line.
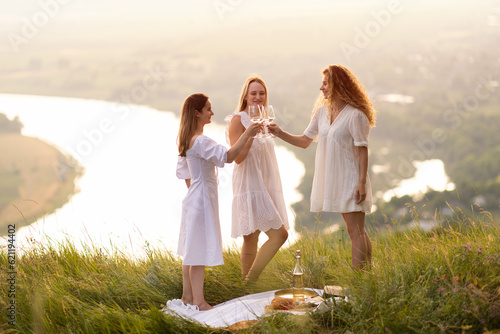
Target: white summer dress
336 172
200 241
258 202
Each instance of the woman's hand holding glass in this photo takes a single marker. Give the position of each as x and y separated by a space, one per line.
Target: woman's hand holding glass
254 129
269 116
274 129
263 115
255 114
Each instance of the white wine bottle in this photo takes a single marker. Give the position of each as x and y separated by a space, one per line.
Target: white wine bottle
298 279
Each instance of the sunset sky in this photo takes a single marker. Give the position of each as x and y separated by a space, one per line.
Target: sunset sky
306 24
206 15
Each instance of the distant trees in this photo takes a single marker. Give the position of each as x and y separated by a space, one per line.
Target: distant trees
10 126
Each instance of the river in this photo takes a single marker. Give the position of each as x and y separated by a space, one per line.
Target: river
129 198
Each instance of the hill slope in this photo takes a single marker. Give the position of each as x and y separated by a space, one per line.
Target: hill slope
35 179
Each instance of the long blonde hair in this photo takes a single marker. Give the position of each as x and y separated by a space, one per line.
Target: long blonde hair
344 85
244 91
189 121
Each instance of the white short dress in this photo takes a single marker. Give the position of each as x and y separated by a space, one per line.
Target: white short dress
200 241
258 202
336 171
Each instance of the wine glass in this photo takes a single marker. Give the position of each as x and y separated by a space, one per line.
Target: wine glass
270 116
255 116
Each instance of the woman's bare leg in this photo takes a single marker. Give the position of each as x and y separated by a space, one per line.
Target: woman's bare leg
249 252
197 274
276 239
361 246
187 291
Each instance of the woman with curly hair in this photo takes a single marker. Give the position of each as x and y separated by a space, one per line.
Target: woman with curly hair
341 121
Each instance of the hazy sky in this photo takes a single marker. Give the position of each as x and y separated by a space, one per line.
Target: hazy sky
147 16
204 14
107 19
209 14
230 26
173 8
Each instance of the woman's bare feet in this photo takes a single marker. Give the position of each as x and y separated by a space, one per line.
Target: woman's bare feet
204 306
187 301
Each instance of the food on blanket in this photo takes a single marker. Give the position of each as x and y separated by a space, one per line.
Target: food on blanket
245 324
280 303
288 304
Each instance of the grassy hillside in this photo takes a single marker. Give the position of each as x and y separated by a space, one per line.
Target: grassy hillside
35 179
444 281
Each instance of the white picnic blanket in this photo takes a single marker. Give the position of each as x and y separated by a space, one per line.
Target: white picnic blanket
248 307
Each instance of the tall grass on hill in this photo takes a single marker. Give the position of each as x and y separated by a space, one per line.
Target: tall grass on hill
443 281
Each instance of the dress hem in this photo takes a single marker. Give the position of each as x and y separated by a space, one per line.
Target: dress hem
340 211
255 230
204 264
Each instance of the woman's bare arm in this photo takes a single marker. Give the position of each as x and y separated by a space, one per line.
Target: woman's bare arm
363 172
236 129
242 142
296 140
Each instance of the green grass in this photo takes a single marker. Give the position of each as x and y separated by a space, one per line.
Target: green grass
443 281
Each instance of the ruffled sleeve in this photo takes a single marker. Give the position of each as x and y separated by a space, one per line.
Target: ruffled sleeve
312 129
228 119
209 150
182 171
245 119
359 127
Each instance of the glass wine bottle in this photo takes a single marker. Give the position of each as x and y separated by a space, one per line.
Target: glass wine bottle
298 279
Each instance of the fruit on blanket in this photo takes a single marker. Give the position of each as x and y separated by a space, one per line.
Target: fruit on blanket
280 303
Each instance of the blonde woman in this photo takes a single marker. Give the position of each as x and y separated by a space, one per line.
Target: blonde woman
258 204
341 122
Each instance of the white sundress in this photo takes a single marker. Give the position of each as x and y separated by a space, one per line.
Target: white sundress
336 171
258 202
200 241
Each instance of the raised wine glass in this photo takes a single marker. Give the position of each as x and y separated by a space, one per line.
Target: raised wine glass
255 116
270 116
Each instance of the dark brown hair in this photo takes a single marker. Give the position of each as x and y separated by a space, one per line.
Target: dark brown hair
189 121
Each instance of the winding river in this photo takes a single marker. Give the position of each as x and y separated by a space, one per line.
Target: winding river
129 199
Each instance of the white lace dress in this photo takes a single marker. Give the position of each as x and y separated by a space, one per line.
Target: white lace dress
258 202
336 172
200 242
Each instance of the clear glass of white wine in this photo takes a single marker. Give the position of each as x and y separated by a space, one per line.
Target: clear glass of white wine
270 116
255 116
